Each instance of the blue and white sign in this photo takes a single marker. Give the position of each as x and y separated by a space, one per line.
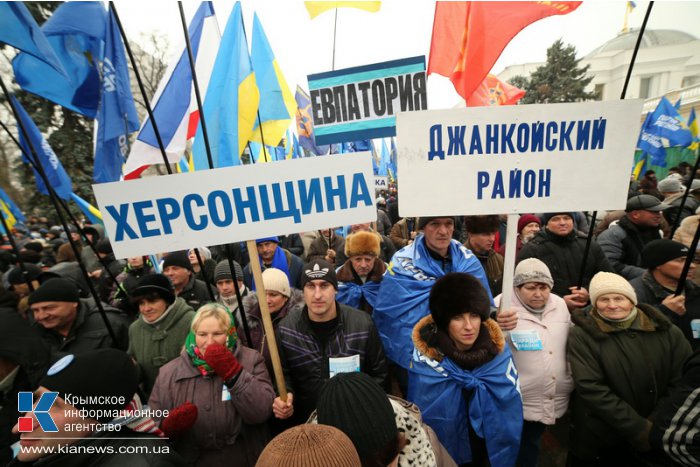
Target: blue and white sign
212 207
517 159
361 102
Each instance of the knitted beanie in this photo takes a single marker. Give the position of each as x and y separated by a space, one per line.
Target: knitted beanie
319 269
16 275
607 282
55 290
107 376
547 216
158 284
104 246
423 221
356 405
456 293
362 243
658 252
527 219
223 271
179 259
204 252
532 270
309 445
267 239
277 281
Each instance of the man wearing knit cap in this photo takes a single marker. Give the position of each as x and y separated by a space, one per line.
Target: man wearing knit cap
322 339
561 248
226 286
274 256
622 243
359 277
664 261
403 295
177 267
68 323
481 235
309 445
89 433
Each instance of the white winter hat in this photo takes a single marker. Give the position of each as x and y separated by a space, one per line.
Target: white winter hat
607 282
532 270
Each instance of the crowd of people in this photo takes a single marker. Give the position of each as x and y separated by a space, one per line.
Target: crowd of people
395 344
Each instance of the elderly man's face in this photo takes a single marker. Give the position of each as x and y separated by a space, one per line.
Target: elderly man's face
266 250
363 264
57 316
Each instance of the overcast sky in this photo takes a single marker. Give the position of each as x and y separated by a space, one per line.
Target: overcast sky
401 29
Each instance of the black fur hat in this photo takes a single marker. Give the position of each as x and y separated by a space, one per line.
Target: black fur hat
456 293
481 224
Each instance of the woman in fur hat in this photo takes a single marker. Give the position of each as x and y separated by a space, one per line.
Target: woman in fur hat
625 359
462 375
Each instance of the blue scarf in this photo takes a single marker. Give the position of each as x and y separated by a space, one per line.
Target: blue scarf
495 407
350 293
403 294
279 261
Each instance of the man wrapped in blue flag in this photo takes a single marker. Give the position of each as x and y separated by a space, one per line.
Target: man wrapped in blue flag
403 295
76 31
360 276
56 175
117 115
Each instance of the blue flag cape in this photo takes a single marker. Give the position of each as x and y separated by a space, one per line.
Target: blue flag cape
495 407
350 293
403 294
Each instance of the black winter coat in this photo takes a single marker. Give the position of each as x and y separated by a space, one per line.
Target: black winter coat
563 257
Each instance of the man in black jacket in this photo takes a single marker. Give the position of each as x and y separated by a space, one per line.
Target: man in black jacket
561 248
322 339
69 324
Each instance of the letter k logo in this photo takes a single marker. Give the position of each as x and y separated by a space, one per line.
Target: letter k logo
25 403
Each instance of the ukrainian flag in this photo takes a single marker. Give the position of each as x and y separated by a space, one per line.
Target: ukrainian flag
91 212
694 130
316 8
277 104
231 103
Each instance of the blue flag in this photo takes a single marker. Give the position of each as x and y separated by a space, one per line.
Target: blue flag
117 115
76 31
384 161
305 124
298 152
666 122
18 29
56 175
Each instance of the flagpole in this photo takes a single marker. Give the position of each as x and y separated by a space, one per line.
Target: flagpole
11 238
141 88
64 205
64 223
210 160
335 29
589 237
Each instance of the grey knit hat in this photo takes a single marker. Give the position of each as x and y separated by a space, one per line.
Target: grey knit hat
223 271
310 445
532 270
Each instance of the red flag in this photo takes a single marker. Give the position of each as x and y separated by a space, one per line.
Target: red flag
468 37
493 91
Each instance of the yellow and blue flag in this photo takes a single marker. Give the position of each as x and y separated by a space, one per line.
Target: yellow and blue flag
91 212
640 167
55 173
316 8
305 124
19 30
76 31
10 211
231 103
277 105
694 130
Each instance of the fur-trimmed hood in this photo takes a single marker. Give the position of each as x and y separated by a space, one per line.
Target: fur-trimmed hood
426 328
648 319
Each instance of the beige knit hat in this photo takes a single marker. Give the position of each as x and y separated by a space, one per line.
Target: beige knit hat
607 282
310 445
277 281
532 270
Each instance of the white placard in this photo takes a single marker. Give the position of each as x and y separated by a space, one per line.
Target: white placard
381 183
212 207
517 159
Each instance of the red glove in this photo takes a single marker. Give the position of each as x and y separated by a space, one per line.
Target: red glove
222 361
179 420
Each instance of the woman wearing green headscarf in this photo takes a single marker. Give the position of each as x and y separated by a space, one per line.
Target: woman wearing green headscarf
218 394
